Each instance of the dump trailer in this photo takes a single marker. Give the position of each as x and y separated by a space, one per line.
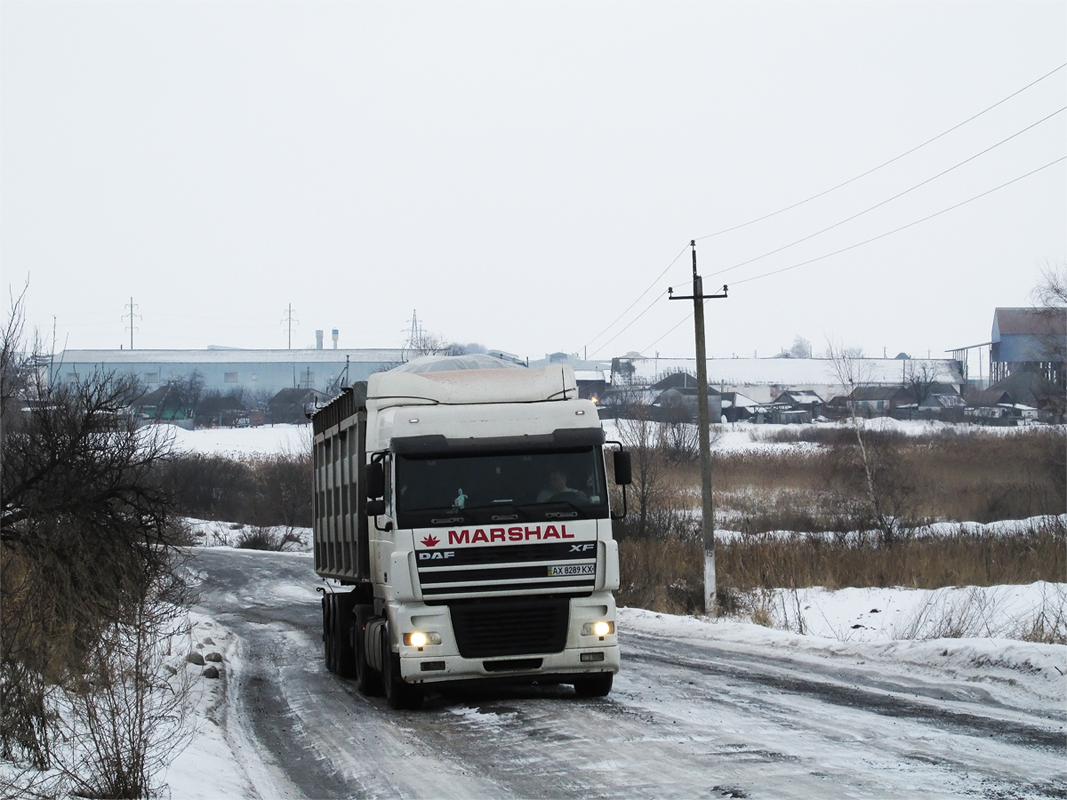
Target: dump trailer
462 525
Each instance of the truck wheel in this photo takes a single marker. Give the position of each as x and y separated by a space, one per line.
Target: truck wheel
594 685
327 631
368 680
344 653
399 694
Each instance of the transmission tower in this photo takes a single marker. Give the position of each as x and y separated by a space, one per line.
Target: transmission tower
415 336
130 307
288 319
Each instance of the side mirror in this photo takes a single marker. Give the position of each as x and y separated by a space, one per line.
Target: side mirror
375 482
623 473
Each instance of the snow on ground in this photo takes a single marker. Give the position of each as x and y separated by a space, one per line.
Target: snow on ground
263 440
212 533
872 614
210 759
1027 672
1020 674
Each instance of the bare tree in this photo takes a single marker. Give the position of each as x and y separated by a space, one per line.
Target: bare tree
433 344
680 437
639 434
920 380
885 483
84 536
1051 294
184 393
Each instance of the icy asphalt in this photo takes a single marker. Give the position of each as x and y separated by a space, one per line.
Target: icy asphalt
690 716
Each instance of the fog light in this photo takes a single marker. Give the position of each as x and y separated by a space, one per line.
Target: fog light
600 628
420 639
597 656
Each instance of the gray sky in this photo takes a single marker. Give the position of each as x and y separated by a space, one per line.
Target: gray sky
520 173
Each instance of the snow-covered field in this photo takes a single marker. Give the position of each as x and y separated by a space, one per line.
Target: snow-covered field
732 437
242 442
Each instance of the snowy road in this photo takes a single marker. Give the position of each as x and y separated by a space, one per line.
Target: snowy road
693 714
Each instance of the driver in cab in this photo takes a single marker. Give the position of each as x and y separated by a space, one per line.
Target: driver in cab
557 485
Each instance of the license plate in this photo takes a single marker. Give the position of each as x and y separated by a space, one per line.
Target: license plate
572 569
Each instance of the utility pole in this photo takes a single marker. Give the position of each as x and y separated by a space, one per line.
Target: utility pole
703 423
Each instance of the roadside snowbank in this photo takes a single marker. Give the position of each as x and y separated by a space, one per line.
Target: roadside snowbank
1029 674
869 614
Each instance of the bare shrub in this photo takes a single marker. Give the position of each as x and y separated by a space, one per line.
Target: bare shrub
127 714
268 490
265 538
1049 623
968 614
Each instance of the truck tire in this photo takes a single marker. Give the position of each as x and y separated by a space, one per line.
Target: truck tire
327 631
343 622
400 695
337 633
594 685
368 679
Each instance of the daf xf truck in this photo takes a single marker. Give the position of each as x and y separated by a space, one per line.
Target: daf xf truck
461 519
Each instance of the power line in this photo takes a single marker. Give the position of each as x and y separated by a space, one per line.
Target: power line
902 227
872 239
687 317
884 164
891 199
827 191
634 303
631 322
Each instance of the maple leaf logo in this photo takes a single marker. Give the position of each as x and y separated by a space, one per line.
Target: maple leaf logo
430 540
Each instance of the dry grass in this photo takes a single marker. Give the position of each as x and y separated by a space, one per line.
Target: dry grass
663 575
951 475
925 561
813 501
668 575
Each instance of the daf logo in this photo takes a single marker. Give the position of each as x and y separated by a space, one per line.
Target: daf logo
436 555
581 548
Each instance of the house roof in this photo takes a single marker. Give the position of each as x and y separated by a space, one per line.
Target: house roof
1029 322
731 399
802 397
296 396
870 393
987 398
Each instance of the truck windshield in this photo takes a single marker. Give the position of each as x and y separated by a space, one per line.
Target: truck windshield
496 487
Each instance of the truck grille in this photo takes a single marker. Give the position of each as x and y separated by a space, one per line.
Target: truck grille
556 569
511 627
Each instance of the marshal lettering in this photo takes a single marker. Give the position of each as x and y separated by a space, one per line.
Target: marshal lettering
518 533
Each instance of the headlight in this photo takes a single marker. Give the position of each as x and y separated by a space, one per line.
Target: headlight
600 628
420 639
